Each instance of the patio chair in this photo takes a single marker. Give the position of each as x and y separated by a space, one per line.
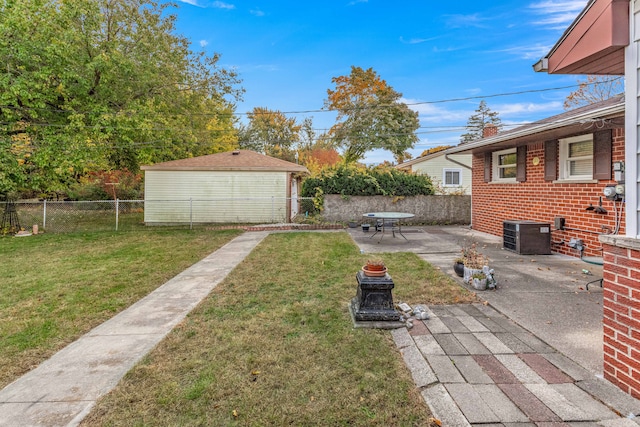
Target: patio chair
387 224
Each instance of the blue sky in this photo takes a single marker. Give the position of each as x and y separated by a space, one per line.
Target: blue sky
286 53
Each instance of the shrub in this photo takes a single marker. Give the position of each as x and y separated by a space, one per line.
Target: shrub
108 185
350 180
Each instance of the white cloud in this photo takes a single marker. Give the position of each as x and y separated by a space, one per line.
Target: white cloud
527 52
462 21
557 14
203 43
524 108
256 12
191 2
417 40
355 2
223 5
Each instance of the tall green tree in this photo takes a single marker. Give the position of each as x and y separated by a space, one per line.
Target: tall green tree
104 84
272 133
482 116
370 116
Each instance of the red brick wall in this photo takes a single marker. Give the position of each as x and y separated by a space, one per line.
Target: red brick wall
540 200
621 324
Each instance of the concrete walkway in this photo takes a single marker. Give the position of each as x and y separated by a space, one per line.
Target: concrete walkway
62 390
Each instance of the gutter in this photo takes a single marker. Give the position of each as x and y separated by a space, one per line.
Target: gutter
446 156
542 127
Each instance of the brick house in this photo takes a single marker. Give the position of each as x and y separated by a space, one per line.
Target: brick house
604 40
554 168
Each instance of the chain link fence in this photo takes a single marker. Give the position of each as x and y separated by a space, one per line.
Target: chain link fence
129 215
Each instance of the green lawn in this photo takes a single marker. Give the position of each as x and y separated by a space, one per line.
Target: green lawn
56 287
274 345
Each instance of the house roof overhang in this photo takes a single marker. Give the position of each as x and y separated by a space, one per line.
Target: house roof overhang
605 114
594 43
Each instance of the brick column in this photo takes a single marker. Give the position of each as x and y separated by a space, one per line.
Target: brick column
621 303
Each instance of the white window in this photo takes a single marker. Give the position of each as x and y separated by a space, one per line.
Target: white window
504 165
576 157
452 177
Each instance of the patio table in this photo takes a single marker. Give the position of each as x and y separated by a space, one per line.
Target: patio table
386 220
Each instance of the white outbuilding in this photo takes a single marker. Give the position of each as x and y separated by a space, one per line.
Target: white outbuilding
239 186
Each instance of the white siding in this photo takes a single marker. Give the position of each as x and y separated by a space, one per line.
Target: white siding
436 166
215 196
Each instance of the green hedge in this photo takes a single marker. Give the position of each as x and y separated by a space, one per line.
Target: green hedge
361 181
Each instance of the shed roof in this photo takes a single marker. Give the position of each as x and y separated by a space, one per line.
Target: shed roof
566 124
238 160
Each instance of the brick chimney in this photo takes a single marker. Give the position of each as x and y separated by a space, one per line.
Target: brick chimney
489 130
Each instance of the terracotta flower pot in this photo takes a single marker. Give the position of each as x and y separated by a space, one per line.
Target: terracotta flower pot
374 273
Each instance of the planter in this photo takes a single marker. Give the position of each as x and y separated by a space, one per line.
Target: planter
479 284
374 273
353 224
365 227
458 267
469 272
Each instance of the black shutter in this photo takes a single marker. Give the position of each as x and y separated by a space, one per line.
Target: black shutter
521 164
487 167
551 160
602 154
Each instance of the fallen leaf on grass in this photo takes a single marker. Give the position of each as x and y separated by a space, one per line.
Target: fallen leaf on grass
255 372
435 421
235 413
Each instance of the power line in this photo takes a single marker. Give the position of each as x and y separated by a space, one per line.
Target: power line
324 110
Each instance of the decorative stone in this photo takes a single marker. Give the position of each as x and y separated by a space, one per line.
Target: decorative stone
373 300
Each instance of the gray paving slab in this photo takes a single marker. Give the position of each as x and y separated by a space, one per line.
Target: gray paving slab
61 390
500 404
472 324
450 344
436 326
427 345
443 407
470 370
454 324
420 370
512 341
570 403
402 338
536 344
471 344
471 403
491 324
492 342
519 369
445 370
569 367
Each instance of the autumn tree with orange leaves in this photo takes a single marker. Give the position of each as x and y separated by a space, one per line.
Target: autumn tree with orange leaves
370 116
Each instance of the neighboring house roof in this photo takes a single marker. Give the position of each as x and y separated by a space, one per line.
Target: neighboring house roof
574 122
238 160
409 163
